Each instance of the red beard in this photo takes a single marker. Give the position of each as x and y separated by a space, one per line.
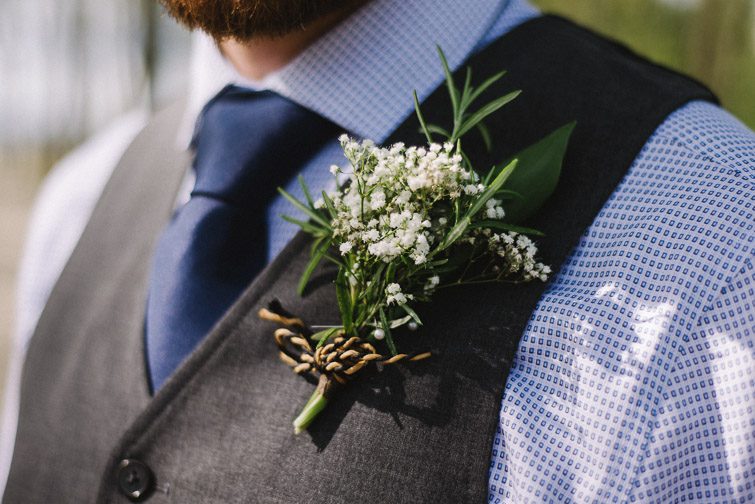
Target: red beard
246 19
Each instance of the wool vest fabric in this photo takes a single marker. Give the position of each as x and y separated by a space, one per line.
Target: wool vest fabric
220 428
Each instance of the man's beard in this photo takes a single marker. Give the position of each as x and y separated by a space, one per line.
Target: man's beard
246 19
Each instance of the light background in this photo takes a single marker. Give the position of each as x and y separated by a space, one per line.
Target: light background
68 67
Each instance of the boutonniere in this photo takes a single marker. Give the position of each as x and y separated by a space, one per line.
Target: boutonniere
411 221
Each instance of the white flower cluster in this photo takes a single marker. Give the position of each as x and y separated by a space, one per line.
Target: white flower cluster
385 210
401 201
395 296
518 254
431 284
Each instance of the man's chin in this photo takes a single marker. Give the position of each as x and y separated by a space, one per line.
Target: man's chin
248 19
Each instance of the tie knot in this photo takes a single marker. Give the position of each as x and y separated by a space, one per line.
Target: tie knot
248 143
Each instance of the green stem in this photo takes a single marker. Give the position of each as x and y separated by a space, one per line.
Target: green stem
478 282
314 406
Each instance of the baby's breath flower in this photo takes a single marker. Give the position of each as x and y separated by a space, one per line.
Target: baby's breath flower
395 296
389 214
471 189
431 284
404 216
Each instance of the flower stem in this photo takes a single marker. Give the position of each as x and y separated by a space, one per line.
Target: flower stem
315 405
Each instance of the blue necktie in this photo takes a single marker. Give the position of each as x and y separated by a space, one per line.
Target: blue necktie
247 144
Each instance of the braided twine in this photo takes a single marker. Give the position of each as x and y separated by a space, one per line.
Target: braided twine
340 359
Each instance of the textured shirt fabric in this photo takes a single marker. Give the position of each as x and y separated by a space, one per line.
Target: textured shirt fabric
634 379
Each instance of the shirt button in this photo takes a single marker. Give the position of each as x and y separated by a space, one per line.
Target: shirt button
135 480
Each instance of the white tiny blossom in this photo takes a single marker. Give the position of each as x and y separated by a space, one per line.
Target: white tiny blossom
388 214
377 201
371 235
471 189
403 197
395 296
399 299
431 284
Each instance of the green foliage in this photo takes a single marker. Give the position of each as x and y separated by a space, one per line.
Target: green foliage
462 215
538 179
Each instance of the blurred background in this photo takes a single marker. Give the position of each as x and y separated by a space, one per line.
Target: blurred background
69 67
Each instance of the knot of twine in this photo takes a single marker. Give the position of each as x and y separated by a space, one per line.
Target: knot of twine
340 358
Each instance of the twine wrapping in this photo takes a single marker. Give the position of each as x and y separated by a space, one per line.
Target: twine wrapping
339 359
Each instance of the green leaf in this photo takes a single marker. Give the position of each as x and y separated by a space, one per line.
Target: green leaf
387 329
485 134
315 216
344 301
467 161
467 89
485 111
329 205
390 272
432 128
439 262
315 245
461 226
309 227
484 87
505 194
322 336
452 91
334 260
399 322
305 190
493 187
421 119
317 255
539 173
411 313
504 226
456 232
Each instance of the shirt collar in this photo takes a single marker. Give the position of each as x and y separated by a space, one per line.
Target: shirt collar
361 74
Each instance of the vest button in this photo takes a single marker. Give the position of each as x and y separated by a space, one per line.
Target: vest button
135 479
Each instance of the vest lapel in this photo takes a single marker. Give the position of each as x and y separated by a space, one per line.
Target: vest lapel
108 272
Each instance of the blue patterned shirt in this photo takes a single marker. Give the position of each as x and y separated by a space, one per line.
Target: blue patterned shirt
635 378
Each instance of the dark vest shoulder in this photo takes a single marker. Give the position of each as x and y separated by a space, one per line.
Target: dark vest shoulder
219 430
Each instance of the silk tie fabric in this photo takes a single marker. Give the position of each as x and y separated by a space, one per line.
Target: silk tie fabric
247 144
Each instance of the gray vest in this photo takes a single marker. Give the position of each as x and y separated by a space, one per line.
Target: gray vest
220 429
